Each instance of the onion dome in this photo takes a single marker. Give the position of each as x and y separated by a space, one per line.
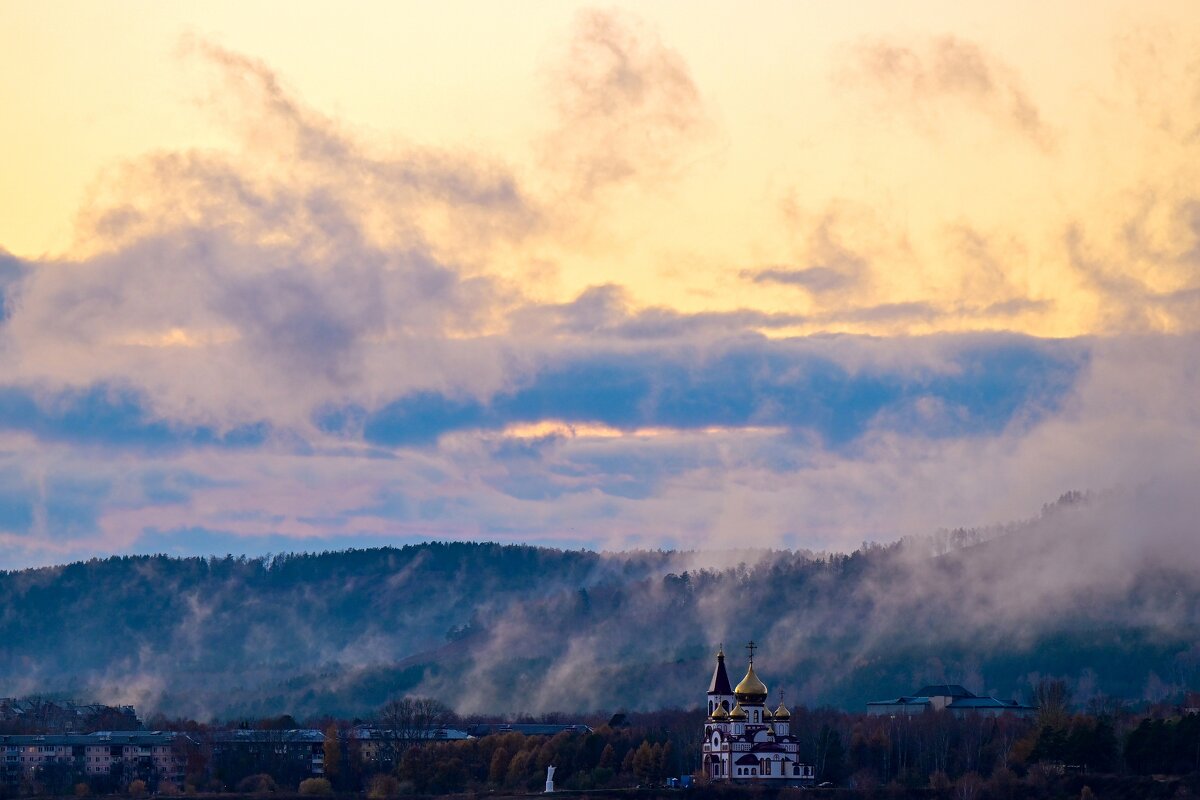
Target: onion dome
767 716
782 713
720 713
738 712
751 690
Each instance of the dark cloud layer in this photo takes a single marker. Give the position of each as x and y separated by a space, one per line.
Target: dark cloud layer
984 384
110 416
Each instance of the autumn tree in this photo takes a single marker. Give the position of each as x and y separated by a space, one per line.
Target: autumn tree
498 768
333 753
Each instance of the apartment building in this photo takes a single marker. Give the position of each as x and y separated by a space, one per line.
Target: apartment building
154 756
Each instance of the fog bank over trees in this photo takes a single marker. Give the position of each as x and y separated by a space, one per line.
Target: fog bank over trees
1099 590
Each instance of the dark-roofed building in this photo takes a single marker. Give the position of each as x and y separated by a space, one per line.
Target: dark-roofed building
45 716
526 728
946 697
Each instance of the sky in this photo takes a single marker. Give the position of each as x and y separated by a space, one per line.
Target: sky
636 275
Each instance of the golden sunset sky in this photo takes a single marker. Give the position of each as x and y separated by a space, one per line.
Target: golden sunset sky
797 274
958 148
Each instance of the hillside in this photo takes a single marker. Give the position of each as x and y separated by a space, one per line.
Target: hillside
491 628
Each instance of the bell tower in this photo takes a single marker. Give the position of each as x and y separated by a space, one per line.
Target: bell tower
720 694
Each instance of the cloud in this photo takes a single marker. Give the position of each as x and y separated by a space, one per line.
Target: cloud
1160 238
307 339
220 284
628 109
846 282
771 383
836 269
609 311
12 270
109 416
917 78
815 279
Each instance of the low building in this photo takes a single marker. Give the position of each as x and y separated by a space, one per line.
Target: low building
526 728
947 697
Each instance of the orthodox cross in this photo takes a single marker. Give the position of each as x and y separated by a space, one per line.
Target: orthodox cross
751 647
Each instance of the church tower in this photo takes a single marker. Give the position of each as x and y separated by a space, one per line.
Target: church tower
719 691
744 741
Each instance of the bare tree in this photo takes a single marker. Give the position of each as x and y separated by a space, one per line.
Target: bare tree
409 722
1053 699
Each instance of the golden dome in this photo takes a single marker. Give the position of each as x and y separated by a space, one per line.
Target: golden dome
738 712
751 690
720 713
782 712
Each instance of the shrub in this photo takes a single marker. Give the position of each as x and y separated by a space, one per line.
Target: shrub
383 787
137 789
315 786
257 784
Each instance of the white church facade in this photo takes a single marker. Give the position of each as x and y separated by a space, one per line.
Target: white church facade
745 741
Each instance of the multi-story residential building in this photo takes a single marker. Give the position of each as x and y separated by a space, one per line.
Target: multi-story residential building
382 747
153 756
290 755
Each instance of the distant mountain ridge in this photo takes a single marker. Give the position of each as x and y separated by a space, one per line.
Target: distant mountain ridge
504 628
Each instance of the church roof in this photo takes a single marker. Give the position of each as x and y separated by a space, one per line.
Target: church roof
751 689
720 678
986 703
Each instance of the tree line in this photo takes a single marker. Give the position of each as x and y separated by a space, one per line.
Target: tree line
931 754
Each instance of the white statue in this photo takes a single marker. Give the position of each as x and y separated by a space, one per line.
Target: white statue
549 779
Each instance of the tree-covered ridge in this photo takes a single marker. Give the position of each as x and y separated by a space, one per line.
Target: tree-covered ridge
506 629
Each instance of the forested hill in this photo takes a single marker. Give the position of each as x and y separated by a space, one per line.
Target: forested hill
510 629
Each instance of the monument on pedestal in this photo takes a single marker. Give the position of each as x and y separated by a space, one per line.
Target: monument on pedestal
549 779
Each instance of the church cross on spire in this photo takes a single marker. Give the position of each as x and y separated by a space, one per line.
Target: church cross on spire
751 647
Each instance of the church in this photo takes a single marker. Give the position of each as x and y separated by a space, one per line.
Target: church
746 742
